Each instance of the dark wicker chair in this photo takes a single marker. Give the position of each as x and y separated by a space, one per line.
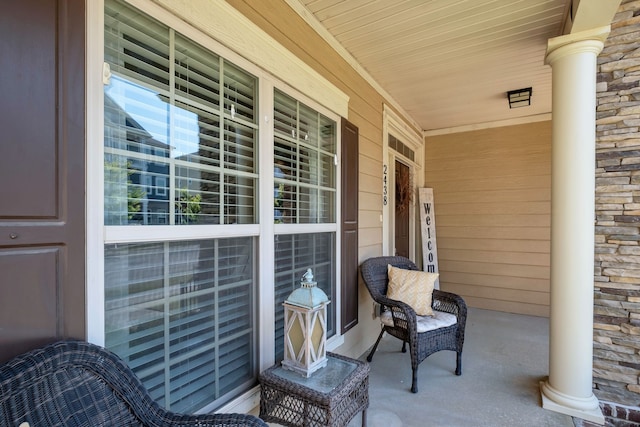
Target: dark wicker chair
421 345
74 383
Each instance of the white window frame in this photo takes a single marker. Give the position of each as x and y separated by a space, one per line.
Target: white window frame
220 25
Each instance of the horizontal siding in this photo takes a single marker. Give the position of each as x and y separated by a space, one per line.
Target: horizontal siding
497 281
451 182
368 219
500 219
508 306
494 245
502 294
497 195
492 193
501 256
498 232
491 268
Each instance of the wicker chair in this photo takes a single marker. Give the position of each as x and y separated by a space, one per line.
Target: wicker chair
405 326
74 383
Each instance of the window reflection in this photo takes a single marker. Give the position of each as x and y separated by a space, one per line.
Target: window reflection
209 166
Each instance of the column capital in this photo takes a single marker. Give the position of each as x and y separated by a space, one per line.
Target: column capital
583 41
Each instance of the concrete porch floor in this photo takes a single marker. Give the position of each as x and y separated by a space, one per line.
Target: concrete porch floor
505 357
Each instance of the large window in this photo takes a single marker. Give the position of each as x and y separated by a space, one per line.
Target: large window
192 248
181 118
305 192
179 149
305 163
181 315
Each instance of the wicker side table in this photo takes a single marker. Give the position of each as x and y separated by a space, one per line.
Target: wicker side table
331 397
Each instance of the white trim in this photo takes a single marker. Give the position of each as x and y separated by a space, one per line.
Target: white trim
266 293
242 404
283 229
489 125
169 233
386 173
225 24
94 193
313 22
395 125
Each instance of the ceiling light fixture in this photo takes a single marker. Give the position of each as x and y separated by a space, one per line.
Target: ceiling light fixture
520 97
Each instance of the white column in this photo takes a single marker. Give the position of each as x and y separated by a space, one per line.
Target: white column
568 389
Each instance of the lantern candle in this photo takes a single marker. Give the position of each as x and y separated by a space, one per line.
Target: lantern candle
305 316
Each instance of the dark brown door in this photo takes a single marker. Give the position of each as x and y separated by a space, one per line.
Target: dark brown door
42 295
349 246
403 184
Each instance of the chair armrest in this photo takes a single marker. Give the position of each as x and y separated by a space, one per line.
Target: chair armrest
449 303
401 313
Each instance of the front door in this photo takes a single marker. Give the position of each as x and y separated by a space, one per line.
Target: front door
402 208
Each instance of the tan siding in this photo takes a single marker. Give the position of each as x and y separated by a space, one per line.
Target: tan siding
495 245
370 166
495 281
364 253
497 196
372 151
369 183
493 268
368 219
492 192
501 294
508 306
370 201
497 256
369 236
499 232
498 219
451 182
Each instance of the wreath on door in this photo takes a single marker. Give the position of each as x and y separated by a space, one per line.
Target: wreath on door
404 190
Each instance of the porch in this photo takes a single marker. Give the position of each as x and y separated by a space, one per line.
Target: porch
505 357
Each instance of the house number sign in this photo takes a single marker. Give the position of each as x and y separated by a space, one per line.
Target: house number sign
428 226
385 185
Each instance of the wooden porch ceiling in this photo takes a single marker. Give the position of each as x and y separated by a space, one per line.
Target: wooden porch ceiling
446 63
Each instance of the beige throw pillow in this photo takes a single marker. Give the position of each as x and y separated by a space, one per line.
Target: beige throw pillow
412 287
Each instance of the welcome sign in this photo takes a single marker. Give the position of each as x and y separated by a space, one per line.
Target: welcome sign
428 226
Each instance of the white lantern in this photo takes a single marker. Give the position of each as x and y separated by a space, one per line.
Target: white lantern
305 327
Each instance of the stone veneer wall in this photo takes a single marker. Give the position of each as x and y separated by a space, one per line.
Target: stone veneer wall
616 361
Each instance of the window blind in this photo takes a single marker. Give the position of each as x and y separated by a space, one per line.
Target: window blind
181 115
180 148
181 314
304 155
294 253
